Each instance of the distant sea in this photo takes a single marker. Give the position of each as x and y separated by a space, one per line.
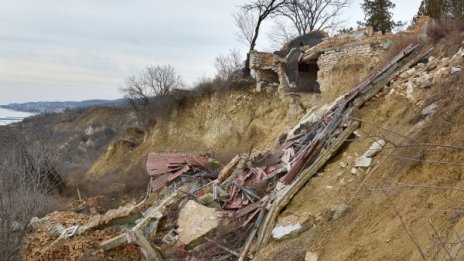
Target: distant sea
9 116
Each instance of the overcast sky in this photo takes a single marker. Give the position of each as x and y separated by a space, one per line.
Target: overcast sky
84 49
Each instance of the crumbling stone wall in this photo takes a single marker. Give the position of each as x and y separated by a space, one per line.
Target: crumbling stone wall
265 68
370 53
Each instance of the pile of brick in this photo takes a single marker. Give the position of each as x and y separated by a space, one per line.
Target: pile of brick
44 242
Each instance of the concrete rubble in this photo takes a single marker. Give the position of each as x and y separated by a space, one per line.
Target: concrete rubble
195 221
365 160
292 225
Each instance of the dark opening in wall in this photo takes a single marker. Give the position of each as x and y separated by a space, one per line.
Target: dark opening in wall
307 77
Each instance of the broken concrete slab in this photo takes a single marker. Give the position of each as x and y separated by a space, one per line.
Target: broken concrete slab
122 215
292 225
281 232
363 162
366 159
195 221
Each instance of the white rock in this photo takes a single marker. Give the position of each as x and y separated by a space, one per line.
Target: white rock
425 81
429 109
354 171
280 232
455 70
343 164
357 133
440 73
375 148
431 59
410 90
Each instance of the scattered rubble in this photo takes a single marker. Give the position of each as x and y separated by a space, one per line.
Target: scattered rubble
292 225
340 211
366 159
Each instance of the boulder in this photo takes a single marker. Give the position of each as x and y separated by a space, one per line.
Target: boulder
425 81
195 221
410 90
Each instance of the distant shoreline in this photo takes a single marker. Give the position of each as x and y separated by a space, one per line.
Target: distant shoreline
9 116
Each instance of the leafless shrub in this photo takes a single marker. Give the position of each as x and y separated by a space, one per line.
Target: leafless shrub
447 27
310 15
143 91
229 67
28 182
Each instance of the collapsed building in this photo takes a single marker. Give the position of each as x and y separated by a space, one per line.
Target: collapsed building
304 64
199 210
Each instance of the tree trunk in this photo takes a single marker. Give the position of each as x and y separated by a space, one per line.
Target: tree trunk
247 70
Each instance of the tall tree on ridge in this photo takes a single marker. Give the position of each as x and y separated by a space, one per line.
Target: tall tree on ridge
378 15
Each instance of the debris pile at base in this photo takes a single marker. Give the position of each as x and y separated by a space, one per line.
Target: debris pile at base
195 211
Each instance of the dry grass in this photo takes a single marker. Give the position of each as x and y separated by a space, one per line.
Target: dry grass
449 28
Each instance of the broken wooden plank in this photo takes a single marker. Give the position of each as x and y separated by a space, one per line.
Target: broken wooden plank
148 251
228 169
155 212
283 196
359 95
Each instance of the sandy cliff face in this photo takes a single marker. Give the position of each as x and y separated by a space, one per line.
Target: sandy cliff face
221 124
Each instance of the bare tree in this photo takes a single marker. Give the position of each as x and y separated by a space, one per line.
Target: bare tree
282 32
141 91
261 9
161 79
229 66
28 182
246 24
311 15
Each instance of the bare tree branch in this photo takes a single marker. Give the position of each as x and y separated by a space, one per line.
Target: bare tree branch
141 90
311 15
246 24
263 9
229 66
